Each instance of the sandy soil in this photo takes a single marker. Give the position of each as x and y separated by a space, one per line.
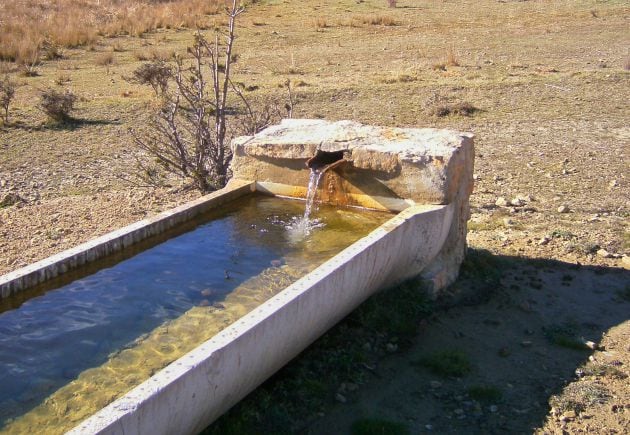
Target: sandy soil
551 83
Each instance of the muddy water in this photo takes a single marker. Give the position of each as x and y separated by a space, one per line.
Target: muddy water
69 352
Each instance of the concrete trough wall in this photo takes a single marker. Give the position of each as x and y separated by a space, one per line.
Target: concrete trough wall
193 391
116 241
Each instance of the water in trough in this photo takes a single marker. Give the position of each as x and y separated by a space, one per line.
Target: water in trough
69 351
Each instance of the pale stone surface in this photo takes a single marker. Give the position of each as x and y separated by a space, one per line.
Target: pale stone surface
423 164
417 165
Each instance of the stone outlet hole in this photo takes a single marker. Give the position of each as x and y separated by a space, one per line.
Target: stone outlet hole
322 159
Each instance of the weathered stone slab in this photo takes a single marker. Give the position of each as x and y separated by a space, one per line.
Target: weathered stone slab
408 165
426 165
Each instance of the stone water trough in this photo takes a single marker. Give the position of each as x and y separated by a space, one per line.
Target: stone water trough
425 175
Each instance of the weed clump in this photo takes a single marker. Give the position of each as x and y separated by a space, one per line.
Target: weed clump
440 106
57 105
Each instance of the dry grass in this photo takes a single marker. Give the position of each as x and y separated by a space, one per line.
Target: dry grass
105 59
321 23
378 20
451 57
26 27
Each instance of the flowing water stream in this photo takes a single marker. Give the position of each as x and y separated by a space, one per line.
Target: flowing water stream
301 227
71 350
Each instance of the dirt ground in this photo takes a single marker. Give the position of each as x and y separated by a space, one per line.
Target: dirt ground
550 80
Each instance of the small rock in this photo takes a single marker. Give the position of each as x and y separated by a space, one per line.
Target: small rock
604 253
613 183
526 343
544 241
568 415
340 398
493 408
563 209
476 177
391 347
350 386
459 411
508 222
10 199
428 426
435 384
591 345
517 202
501 202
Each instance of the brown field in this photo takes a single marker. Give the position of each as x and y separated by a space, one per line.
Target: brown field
549 83
31 30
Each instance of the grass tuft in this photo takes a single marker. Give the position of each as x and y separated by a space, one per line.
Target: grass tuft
564 335
447 363
485 393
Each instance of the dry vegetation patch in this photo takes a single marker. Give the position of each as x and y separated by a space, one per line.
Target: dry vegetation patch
30 30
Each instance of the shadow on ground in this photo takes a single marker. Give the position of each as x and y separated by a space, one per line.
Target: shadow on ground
487 358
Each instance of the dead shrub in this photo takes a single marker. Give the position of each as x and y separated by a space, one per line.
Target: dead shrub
189 134
7 94
57 105
155 74
105 59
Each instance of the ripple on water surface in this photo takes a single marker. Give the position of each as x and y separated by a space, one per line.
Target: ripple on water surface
69 352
